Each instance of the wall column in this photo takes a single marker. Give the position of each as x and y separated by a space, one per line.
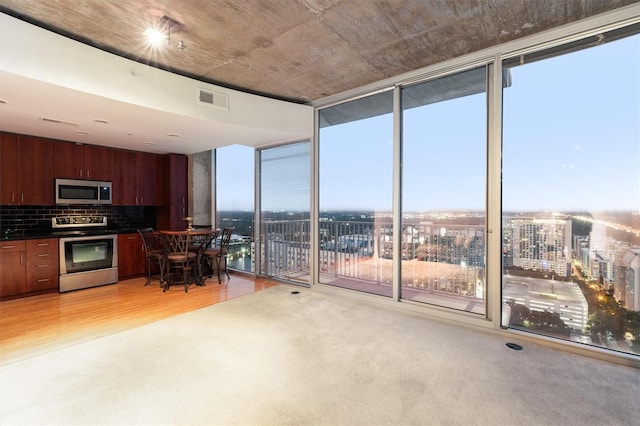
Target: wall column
200 188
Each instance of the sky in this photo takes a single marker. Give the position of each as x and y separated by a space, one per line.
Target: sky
571 142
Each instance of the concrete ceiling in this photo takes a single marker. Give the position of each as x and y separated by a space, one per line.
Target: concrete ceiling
300 50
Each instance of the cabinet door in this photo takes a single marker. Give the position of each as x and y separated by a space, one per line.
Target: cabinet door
12 268
68 160
130 255
97 162
8 168
42 264
149 179
35 170
174 207
125 179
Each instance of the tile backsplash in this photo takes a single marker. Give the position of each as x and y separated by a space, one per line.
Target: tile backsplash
25 220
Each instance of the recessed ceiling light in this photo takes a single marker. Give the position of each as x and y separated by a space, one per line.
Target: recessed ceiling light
149 143
173 135
101 121
82 132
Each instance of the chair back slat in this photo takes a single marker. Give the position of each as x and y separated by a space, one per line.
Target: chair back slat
149 240
177 242
225 239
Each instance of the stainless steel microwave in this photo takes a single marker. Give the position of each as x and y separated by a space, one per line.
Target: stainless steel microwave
74 191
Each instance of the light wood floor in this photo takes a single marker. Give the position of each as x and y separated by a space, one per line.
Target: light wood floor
38 324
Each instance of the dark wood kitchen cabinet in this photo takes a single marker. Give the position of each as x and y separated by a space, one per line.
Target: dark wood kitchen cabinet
8 168
27 170
130 255
170 215
137 178
125 178
13 263
78 161
149 167
42 265
28 266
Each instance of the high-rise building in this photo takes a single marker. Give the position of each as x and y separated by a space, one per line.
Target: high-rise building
627 281
542 245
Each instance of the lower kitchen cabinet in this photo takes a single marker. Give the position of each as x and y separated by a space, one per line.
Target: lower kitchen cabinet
13 268
28 266
130 256
42 265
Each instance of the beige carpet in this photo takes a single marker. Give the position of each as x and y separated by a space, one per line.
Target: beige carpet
274 358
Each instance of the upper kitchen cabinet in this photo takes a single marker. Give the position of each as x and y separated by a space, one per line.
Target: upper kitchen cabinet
149 168
125 178
137 178
27 170
171 214
78 161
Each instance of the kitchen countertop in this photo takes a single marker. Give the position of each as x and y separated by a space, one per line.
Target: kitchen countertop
8 235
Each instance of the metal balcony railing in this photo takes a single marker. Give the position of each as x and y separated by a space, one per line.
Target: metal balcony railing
436 258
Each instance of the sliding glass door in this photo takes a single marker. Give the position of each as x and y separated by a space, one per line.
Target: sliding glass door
443 191
355 186
285 188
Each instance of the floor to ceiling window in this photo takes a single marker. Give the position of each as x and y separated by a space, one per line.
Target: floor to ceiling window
355 194
234 202
571 193
285 198
444 144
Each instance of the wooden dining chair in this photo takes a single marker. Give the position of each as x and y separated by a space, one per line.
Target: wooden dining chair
180 261
154 255
201 242
218 255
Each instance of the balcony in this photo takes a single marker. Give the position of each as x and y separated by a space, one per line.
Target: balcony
441 265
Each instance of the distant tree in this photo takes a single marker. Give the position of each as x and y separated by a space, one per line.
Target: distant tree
632 325
545 322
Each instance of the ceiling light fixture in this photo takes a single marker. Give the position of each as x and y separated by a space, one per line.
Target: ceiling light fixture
161 33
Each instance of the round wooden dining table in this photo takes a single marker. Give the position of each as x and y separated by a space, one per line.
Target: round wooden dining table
184 248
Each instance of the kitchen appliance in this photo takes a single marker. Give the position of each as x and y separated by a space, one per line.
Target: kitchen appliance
75 191
88 254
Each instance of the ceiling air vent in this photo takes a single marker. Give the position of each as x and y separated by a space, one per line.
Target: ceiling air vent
215 99
56 121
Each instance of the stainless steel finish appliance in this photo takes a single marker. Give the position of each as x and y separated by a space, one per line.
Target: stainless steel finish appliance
75 191
86 259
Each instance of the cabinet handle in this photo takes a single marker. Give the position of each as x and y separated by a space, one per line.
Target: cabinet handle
80 172
22 197
21 258
131 238
141 200
43 255
4 247
43 280
42 266
43 244
13 197
87 173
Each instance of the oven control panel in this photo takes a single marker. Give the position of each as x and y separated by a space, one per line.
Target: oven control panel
78 221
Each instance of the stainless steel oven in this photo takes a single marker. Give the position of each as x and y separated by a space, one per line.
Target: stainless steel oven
86 260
